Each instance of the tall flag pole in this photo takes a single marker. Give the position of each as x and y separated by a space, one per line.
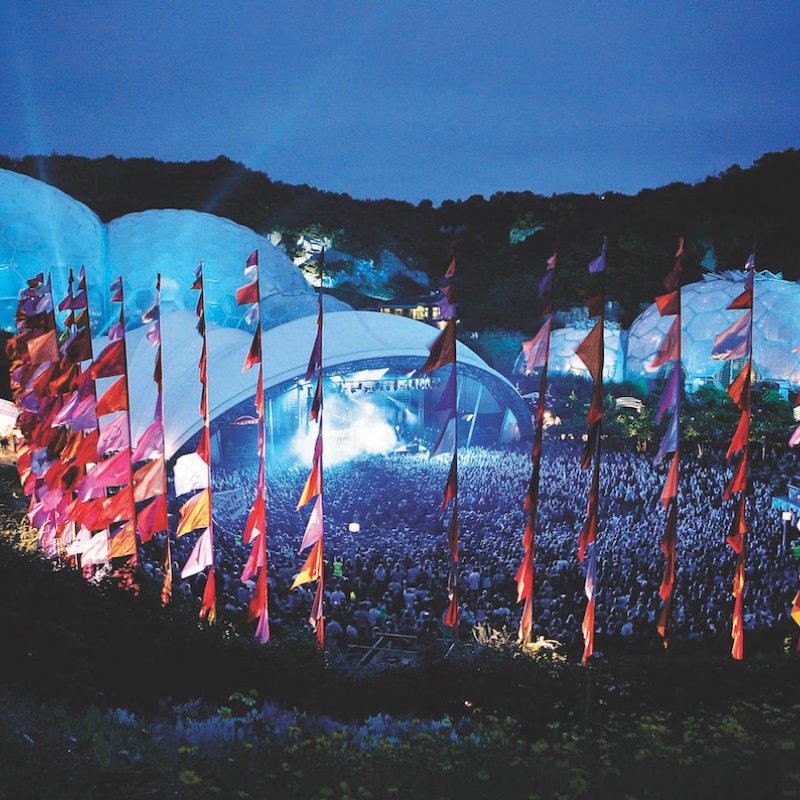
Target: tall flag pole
314 567
150 480
196 512
669 352
592 352
255 528
736 342
537 354
442 353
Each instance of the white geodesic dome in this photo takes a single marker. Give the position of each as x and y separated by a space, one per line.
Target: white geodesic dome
174 242
776 328
42 229
565 341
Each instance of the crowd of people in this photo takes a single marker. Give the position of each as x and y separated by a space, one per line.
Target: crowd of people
391 575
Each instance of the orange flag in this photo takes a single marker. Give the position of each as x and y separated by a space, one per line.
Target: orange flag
209 608
671 486
739 390
313 485
195 513
312 569
115 398
149 480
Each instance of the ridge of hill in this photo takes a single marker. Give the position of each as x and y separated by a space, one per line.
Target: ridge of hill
503 241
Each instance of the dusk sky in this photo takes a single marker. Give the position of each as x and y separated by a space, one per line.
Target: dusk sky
409 100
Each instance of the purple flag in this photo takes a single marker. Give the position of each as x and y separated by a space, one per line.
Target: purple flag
734 342
599 264
669 444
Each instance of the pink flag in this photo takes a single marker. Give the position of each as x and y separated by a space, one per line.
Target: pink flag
735 341
795 439
96 552
114 436
202 555
115 471
150 444
254 561
314 528
536 349
671 395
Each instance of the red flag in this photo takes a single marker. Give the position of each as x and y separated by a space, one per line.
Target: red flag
451 487
739 480
536 349
742 435
443 350
209 607
43 348
153 518
256 521
247 294
111 362
735 537
115 398
669 304
79 347
670 346
670 490
590 351
254 354
739 390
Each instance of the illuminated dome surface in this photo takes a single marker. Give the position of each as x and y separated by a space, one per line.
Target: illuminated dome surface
565 341
174 242
353 340
42 229
776 325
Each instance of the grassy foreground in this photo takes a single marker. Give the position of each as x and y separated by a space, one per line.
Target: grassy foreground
103 694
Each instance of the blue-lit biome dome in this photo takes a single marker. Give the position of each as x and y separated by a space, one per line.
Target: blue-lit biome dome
42 229
174 242
565 341
776 326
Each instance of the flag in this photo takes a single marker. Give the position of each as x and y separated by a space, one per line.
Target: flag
451 487
114 436
208 610
669 304
524 578
202 555
535 350
96 551
445 442
734 342
443 349
739 479
256 523
114 471
123 542
149 480
590 351
741 436
247 294
254 353
795 612
669 443
599 263
190 473
153 518
315 360
313 485
115 398
43 348
195 513
670 490
312 569
258 608
79 346
110 362
671 396
314 527
670 346
739 390
590 588
151 444
254 561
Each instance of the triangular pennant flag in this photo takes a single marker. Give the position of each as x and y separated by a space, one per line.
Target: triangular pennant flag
195 513
314 528
739 390
153 518
741 436
443 349
670 346
202 555
590 351
313 485
115 398
536 349
670 490
312 569
734 342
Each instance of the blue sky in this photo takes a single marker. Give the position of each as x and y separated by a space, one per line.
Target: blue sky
410 100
